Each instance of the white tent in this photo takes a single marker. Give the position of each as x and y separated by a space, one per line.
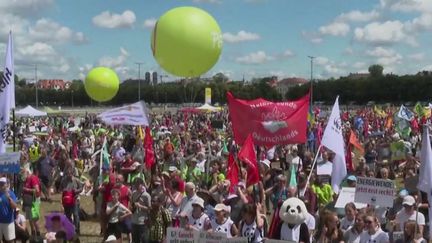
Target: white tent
30 111
207 107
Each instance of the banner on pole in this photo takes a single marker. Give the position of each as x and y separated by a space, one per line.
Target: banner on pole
133 114
269 123
375 191
208 95
9 163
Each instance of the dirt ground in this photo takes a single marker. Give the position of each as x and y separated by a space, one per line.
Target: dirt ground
89 229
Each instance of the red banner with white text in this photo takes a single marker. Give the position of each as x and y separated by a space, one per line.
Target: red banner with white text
270 123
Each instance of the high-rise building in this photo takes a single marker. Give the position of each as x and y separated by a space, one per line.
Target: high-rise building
147 77
155 78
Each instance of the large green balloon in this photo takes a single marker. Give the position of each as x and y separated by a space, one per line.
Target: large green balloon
101 84
186 41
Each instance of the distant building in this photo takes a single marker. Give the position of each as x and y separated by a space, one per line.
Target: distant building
147 77
155 78
56 84
358 76
285 84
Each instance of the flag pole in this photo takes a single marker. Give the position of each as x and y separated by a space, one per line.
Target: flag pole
313 165
13 128
101 161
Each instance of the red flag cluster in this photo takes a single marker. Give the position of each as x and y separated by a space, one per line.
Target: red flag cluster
149 159
269 123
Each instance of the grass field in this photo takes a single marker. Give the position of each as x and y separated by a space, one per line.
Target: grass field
89 229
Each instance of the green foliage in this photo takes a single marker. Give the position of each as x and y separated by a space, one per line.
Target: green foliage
383 89
376 70
177 93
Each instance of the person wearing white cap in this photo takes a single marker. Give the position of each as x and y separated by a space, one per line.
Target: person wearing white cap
7 208
111 239
198 220
223 224
409 213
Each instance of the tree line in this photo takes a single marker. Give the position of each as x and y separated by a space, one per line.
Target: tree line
174 93
376 88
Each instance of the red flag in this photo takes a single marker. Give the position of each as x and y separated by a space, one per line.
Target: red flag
149 159
232 172
247 155
354 141
348 159
270 123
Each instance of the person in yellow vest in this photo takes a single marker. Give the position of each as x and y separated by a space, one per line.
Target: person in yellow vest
34 154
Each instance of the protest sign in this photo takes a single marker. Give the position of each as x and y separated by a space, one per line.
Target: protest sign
346 196
278 241
211 237
236 240
9 162
375 191
179 235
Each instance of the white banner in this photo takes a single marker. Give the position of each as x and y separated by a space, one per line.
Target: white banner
211 237
375 191
177 235
7 94
278 241
9 163
236 240
347 195
134 114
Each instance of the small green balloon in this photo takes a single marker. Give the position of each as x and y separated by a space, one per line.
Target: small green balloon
186 41
101 84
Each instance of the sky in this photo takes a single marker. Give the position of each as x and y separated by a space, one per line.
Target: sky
66 38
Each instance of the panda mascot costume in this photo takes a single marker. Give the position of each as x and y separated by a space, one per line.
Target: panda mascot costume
292 226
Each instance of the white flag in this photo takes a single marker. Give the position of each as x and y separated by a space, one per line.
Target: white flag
134 114
333 140
425 176
405 113
7 93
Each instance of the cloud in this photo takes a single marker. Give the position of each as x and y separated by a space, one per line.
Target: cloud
150 23
241 36
313 37
258 57
335 29
417 56
114 62
407 5
358 16
387 33
287 53
207 1
46 30
25 7
110 20
385 56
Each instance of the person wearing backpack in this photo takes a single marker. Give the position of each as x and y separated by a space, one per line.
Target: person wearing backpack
71 187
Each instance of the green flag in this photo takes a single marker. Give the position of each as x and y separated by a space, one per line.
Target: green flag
293 179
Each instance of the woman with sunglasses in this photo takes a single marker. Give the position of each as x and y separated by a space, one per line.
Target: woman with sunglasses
373 232
329 231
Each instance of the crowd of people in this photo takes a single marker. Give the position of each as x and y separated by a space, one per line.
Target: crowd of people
188 186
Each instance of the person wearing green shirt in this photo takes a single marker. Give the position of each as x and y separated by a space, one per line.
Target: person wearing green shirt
324 193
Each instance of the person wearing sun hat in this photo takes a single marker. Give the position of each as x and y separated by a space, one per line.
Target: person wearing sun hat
223 224
198 220
409 213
